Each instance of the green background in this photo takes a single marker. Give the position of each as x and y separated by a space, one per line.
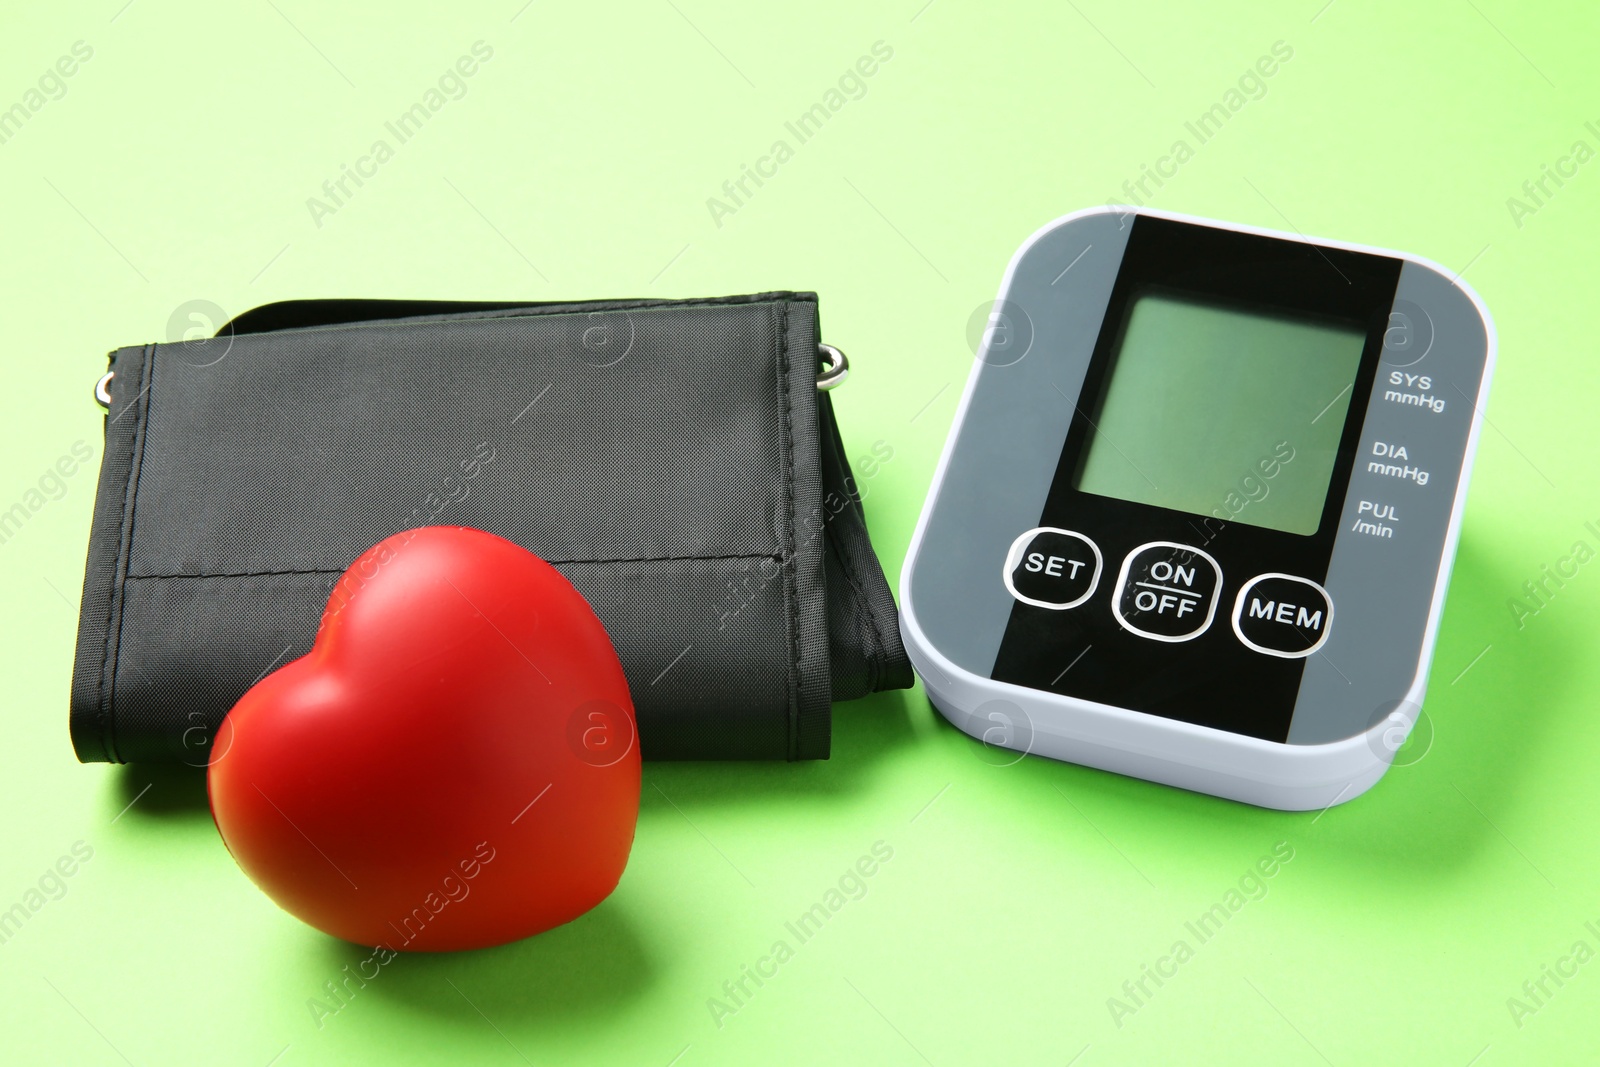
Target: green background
176 168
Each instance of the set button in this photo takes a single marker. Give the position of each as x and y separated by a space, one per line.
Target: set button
1282 615
1052 568
1167 591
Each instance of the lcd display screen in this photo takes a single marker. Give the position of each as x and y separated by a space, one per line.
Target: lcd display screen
1224 411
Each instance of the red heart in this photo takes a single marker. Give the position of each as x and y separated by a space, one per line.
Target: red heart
453 764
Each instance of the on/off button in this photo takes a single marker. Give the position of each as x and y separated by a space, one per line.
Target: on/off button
1167 591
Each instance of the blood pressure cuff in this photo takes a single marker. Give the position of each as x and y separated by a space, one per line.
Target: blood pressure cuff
675 460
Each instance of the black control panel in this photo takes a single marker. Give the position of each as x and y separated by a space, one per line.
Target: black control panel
1205 618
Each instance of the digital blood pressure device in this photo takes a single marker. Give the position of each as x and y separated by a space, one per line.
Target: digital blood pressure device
1196 515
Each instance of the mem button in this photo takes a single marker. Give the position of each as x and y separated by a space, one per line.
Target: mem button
1167 591
1051 568
1281 615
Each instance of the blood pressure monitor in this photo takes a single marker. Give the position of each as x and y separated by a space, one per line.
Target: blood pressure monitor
1196 515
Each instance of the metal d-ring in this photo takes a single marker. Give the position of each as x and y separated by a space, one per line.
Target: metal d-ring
102 389
835 369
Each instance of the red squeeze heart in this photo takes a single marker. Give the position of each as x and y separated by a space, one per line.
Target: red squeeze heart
453 764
